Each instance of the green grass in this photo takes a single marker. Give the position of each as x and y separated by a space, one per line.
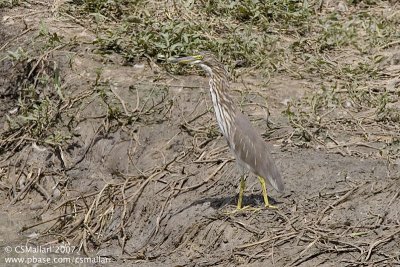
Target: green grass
282 36
244 31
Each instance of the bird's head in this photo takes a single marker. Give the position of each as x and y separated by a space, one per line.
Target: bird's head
206 60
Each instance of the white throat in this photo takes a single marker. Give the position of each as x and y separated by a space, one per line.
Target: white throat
206 68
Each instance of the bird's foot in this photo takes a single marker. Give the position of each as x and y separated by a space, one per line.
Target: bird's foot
246 209
271 207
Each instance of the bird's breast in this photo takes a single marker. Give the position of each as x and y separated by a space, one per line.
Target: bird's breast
223 117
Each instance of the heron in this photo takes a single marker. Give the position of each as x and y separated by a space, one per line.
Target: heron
250 150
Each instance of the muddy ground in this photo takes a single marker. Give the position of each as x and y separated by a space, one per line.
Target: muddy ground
126 162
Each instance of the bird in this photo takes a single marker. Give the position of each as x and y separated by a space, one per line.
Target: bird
250 150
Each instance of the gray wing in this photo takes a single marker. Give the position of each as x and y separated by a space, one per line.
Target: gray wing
252 152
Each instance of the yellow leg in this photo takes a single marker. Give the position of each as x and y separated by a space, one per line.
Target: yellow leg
264 193
241 190
239 206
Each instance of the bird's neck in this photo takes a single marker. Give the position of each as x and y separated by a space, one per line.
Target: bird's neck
222 102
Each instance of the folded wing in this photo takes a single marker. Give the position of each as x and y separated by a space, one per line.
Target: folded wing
252 152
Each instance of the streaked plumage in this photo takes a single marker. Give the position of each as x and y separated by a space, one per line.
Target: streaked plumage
249 148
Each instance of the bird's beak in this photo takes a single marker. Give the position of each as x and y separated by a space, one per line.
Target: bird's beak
186 60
